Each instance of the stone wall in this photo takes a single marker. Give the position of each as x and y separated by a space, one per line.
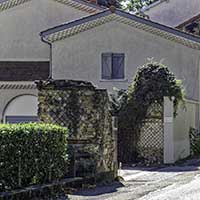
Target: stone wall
85 111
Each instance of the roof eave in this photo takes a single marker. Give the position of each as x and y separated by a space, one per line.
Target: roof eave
90 4
79 4
165 29
74 23
168 29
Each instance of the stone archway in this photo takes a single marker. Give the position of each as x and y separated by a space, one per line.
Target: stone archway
22 108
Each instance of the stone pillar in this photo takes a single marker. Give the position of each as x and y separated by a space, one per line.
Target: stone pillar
84 110
168 131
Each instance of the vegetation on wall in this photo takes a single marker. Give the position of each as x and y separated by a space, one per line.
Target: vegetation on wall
82 108
135 5
152 82
31 154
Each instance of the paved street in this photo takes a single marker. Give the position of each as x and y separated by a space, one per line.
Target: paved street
167 183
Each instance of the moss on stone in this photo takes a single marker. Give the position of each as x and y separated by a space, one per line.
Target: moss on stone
84 111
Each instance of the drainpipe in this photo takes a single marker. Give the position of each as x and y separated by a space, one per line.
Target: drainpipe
50 61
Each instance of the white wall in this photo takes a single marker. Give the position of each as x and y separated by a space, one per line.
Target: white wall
174 12
79 57
187 117
7 95
20 27
176 129
24 105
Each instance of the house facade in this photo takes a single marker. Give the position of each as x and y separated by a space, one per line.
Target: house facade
87 42
81 40
107 35
107 48
24 58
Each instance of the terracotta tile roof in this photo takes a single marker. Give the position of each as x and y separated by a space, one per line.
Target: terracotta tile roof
23 71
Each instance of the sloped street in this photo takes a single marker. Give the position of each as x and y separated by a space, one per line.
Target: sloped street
180 182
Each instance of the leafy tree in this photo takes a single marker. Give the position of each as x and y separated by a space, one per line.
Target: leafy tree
135 5
128 5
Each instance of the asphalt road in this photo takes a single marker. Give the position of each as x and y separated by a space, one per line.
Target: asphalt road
165 183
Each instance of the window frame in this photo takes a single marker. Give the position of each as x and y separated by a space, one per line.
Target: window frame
112 55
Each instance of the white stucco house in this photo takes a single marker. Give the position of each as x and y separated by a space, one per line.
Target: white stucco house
24 58
82 40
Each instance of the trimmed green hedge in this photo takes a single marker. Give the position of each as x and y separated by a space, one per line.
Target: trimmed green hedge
31 153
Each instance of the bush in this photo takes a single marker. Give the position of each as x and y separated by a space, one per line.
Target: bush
152 82
31 154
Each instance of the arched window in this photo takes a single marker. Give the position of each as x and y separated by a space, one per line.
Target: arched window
21 109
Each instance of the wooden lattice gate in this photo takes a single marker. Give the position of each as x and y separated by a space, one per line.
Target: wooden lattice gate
150 141
144 144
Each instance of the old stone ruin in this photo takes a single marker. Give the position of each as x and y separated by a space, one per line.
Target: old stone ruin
84 110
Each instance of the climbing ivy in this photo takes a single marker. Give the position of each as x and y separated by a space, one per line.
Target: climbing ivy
152 82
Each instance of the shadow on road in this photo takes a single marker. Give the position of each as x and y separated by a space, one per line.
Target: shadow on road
110 188
192 165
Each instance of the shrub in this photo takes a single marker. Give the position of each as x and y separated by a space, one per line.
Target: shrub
152 82
31 154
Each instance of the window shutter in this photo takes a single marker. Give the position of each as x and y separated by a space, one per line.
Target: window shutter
118 66
106 65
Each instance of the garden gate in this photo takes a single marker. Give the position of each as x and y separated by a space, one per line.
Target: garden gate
144 143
